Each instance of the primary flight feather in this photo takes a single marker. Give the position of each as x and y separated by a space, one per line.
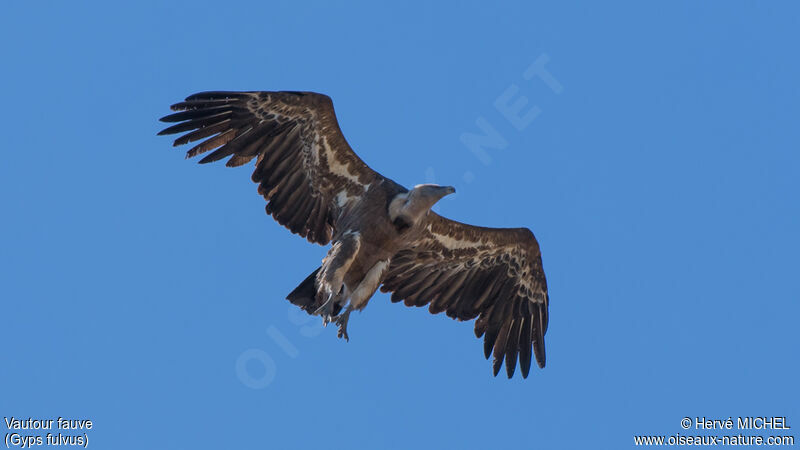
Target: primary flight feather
382 234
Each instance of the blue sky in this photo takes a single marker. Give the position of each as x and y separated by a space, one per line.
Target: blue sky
660 177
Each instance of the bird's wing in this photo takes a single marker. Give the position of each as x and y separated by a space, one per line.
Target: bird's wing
305 169
466 271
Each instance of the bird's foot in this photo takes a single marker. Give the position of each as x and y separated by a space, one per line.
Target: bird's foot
341 322
326 310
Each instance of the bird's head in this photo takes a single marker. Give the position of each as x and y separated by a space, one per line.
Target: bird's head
415 204
426 195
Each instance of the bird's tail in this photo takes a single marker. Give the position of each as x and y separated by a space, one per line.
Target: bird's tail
305 295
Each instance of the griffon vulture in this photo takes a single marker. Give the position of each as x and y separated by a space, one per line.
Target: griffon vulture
382 234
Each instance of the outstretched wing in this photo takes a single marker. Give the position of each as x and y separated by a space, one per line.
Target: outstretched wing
491 273
305 169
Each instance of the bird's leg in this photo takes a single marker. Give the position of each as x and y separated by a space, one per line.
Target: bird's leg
341 322
333 270
326 310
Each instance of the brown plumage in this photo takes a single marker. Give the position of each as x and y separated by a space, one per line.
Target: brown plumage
382 234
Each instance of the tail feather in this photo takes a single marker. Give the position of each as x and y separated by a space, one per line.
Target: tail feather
305 295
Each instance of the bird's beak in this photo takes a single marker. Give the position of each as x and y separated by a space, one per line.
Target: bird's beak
449 190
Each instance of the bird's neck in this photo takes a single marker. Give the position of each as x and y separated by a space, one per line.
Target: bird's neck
404 213
397 205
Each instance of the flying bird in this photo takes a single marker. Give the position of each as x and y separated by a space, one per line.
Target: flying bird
382 234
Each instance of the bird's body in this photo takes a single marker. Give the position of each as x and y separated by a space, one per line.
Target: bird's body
382 235
360 253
